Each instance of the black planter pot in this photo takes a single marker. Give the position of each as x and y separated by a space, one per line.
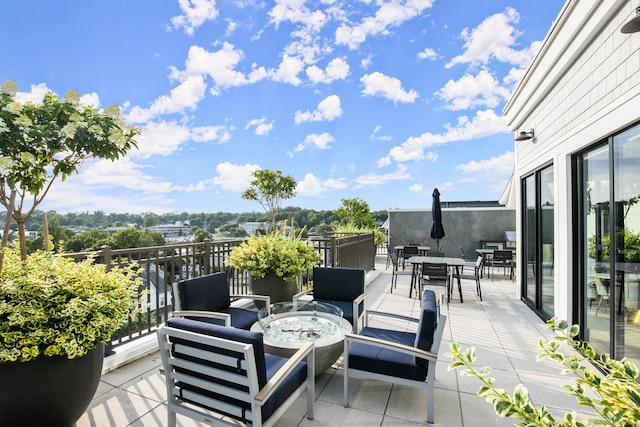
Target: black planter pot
49 391
274 286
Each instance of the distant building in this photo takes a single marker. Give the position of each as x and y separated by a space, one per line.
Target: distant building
172 231
254 227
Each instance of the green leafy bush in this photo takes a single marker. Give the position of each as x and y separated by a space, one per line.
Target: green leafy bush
54 306
287 257
613 395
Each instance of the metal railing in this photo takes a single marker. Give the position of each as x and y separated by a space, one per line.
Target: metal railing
162 266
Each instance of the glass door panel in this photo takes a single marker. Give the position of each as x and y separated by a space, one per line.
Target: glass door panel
546 210
625 295
595 196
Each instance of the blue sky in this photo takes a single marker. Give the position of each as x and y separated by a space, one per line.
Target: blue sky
376 100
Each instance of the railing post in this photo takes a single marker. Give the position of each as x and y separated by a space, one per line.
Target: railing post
208 268
105 255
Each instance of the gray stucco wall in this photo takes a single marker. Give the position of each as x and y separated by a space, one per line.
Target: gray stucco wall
466 227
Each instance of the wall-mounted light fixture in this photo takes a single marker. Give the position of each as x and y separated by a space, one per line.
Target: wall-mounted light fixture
524 136
633 26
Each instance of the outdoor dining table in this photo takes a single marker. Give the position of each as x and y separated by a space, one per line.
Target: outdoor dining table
416 262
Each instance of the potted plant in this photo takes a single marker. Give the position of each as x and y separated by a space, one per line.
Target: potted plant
274 262
55 315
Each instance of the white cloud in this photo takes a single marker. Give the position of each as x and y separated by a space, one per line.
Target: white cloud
320 141
493 39
221 134
481 90
416 188
502 165
165 138
296 12
261 126
377 179
428 53
338 69
484 123
390 14
234 177
374 135
288 71
220 66
125 173
328 110
194 14
37 93
314 186
186 95
377 84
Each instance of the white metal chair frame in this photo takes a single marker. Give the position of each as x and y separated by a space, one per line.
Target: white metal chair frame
254 396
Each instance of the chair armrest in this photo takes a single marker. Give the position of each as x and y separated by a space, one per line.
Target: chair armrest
306 351
412 351
359 298
389 314
265 298
208 314
303 293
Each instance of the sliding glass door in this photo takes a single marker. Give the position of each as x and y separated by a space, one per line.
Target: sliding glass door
608 230
538 241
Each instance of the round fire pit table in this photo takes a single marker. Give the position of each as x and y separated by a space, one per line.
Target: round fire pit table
286 326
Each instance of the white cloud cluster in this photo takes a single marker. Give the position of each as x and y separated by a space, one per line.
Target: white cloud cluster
261 126
338 69
194 14
473 91
389 14
376 179
492 39
328 109
485 123
377 84
312 186
320 141
499 165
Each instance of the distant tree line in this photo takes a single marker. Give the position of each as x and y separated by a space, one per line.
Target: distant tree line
77 232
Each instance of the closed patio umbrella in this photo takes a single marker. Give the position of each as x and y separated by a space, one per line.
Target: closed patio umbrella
437 230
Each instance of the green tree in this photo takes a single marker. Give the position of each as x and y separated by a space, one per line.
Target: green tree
90 240
356 213
126 238
270 188
41 142
200 235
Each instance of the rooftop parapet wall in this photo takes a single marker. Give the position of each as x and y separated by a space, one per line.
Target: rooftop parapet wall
466 227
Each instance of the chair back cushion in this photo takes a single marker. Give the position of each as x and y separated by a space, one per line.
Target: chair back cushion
428 323
232 334
209 292
337 283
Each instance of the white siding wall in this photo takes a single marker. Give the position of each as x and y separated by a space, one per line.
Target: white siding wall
582 87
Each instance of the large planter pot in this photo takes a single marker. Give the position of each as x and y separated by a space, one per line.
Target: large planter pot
49 391
275 287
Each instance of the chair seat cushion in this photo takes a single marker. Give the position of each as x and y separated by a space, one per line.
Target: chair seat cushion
383 361
291 383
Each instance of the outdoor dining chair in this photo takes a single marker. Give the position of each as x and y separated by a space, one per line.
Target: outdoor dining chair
397 272
207 298
435 274
219 375
502 258
409 251
477 271
397 357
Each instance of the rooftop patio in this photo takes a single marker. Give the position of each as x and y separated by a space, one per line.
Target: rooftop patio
502 328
